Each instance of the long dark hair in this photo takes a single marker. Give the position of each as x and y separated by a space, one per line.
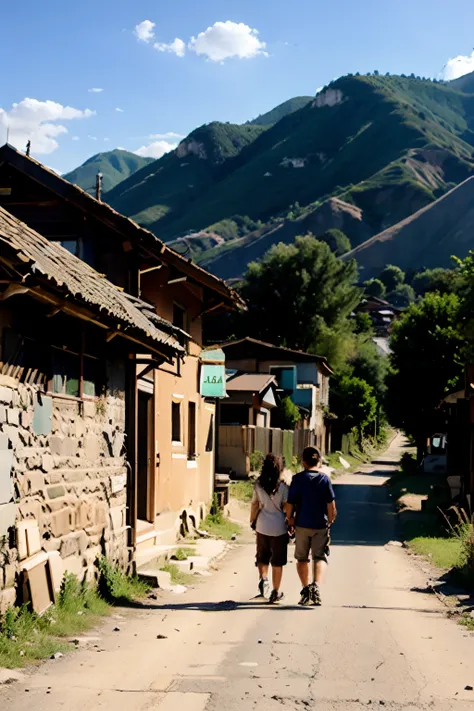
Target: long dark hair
270 474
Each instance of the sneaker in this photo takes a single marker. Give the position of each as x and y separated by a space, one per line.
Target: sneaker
315 594
305 596
276 597
264 587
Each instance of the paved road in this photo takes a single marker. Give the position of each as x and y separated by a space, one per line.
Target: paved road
376 641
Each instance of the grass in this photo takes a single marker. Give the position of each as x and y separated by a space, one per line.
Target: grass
243 490
178 577
26 637
444 553
223 528
467 621
118 588
183 553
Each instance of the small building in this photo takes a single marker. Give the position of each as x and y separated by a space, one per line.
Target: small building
382 313
263 374
172 455
70 342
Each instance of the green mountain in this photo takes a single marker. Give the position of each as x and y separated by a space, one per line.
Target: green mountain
279 112
115 166
169 186
426 239
465 83
388 146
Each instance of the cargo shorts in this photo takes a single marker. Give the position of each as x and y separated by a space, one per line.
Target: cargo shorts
311 540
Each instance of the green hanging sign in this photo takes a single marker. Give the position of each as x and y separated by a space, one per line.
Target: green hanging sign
213 373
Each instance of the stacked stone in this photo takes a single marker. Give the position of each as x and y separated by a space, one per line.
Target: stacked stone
72 481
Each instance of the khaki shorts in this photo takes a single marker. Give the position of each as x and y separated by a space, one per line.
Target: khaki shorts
314 540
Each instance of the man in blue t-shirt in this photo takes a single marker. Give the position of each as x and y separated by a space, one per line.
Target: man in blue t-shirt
311 508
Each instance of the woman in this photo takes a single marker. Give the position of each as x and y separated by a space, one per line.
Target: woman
268 519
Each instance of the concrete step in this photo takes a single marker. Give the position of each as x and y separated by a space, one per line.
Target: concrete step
156 578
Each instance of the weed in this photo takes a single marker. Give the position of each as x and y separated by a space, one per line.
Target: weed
467 621
116 587
256 461
183 553
220 527
178 577
243 490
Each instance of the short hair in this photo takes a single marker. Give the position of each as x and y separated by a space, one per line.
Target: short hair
311 456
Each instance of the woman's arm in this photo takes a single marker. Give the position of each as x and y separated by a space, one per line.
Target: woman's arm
254 508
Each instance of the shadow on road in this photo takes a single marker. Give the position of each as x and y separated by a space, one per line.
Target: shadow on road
366 516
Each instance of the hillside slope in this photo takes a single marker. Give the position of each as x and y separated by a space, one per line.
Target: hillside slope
167 186
282 110
428 238
229 261
115 166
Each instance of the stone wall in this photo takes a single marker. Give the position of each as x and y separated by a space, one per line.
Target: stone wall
68 480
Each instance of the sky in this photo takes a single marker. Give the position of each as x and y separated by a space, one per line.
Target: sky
81 78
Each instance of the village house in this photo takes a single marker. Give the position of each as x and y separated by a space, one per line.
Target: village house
173 449
69 344
259 376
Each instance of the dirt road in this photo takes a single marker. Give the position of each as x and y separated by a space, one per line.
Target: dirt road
377 640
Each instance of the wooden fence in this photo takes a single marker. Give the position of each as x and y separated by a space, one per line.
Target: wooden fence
237 443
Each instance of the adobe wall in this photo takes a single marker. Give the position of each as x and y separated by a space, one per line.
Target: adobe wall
65 491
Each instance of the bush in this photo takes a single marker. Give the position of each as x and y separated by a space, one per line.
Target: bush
256 461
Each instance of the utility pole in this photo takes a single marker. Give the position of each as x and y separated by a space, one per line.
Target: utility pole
98 186
28 148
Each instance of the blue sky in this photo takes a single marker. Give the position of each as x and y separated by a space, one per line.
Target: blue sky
55 51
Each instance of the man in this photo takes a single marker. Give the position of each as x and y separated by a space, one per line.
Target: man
311 498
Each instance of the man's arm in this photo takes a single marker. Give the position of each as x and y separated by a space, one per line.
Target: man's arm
332 513
289 512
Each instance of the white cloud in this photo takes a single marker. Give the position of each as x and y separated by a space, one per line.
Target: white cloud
157 149
92 138
35 120
76 138
145 30
177 47
225 40
119 110
106 139
96 90
458 67
165 136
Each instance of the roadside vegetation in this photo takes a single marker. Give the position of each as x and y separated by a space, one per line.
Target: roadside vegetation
178 576
26 637
218 526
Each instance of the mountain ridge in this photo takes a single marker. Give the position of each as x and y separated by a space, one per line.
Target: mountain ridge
114 165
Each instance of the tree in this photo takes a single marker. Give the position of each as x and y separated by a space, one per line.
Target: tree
402 296
426 357
375 287
363 324
376 73
371 366
353 402
297 293
392 276
290 414
338 242
445 281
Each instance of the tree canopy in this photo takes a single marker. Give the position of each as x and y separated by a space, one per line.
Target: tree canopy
403 295
338 242
426 357
392 276
354 403
375 287
443 280
299 294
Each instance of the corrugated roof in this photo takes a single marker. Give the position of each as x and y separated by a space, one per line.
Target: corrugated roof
123 224
250 382
39 256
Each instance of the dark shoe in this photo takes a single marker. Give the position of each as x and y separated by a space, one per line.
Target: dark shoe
264 587
315 595
305 596
276 597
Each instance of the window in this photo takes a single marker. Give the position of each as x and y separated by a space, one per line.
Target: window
179 317
72 245
192 430
66 373
176 421
210 435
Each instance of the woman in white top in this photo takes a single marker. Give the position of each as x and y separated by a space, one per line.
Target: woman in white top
267 517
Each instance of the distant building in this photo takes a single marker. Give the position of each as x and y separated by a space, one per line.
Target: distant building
382 313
